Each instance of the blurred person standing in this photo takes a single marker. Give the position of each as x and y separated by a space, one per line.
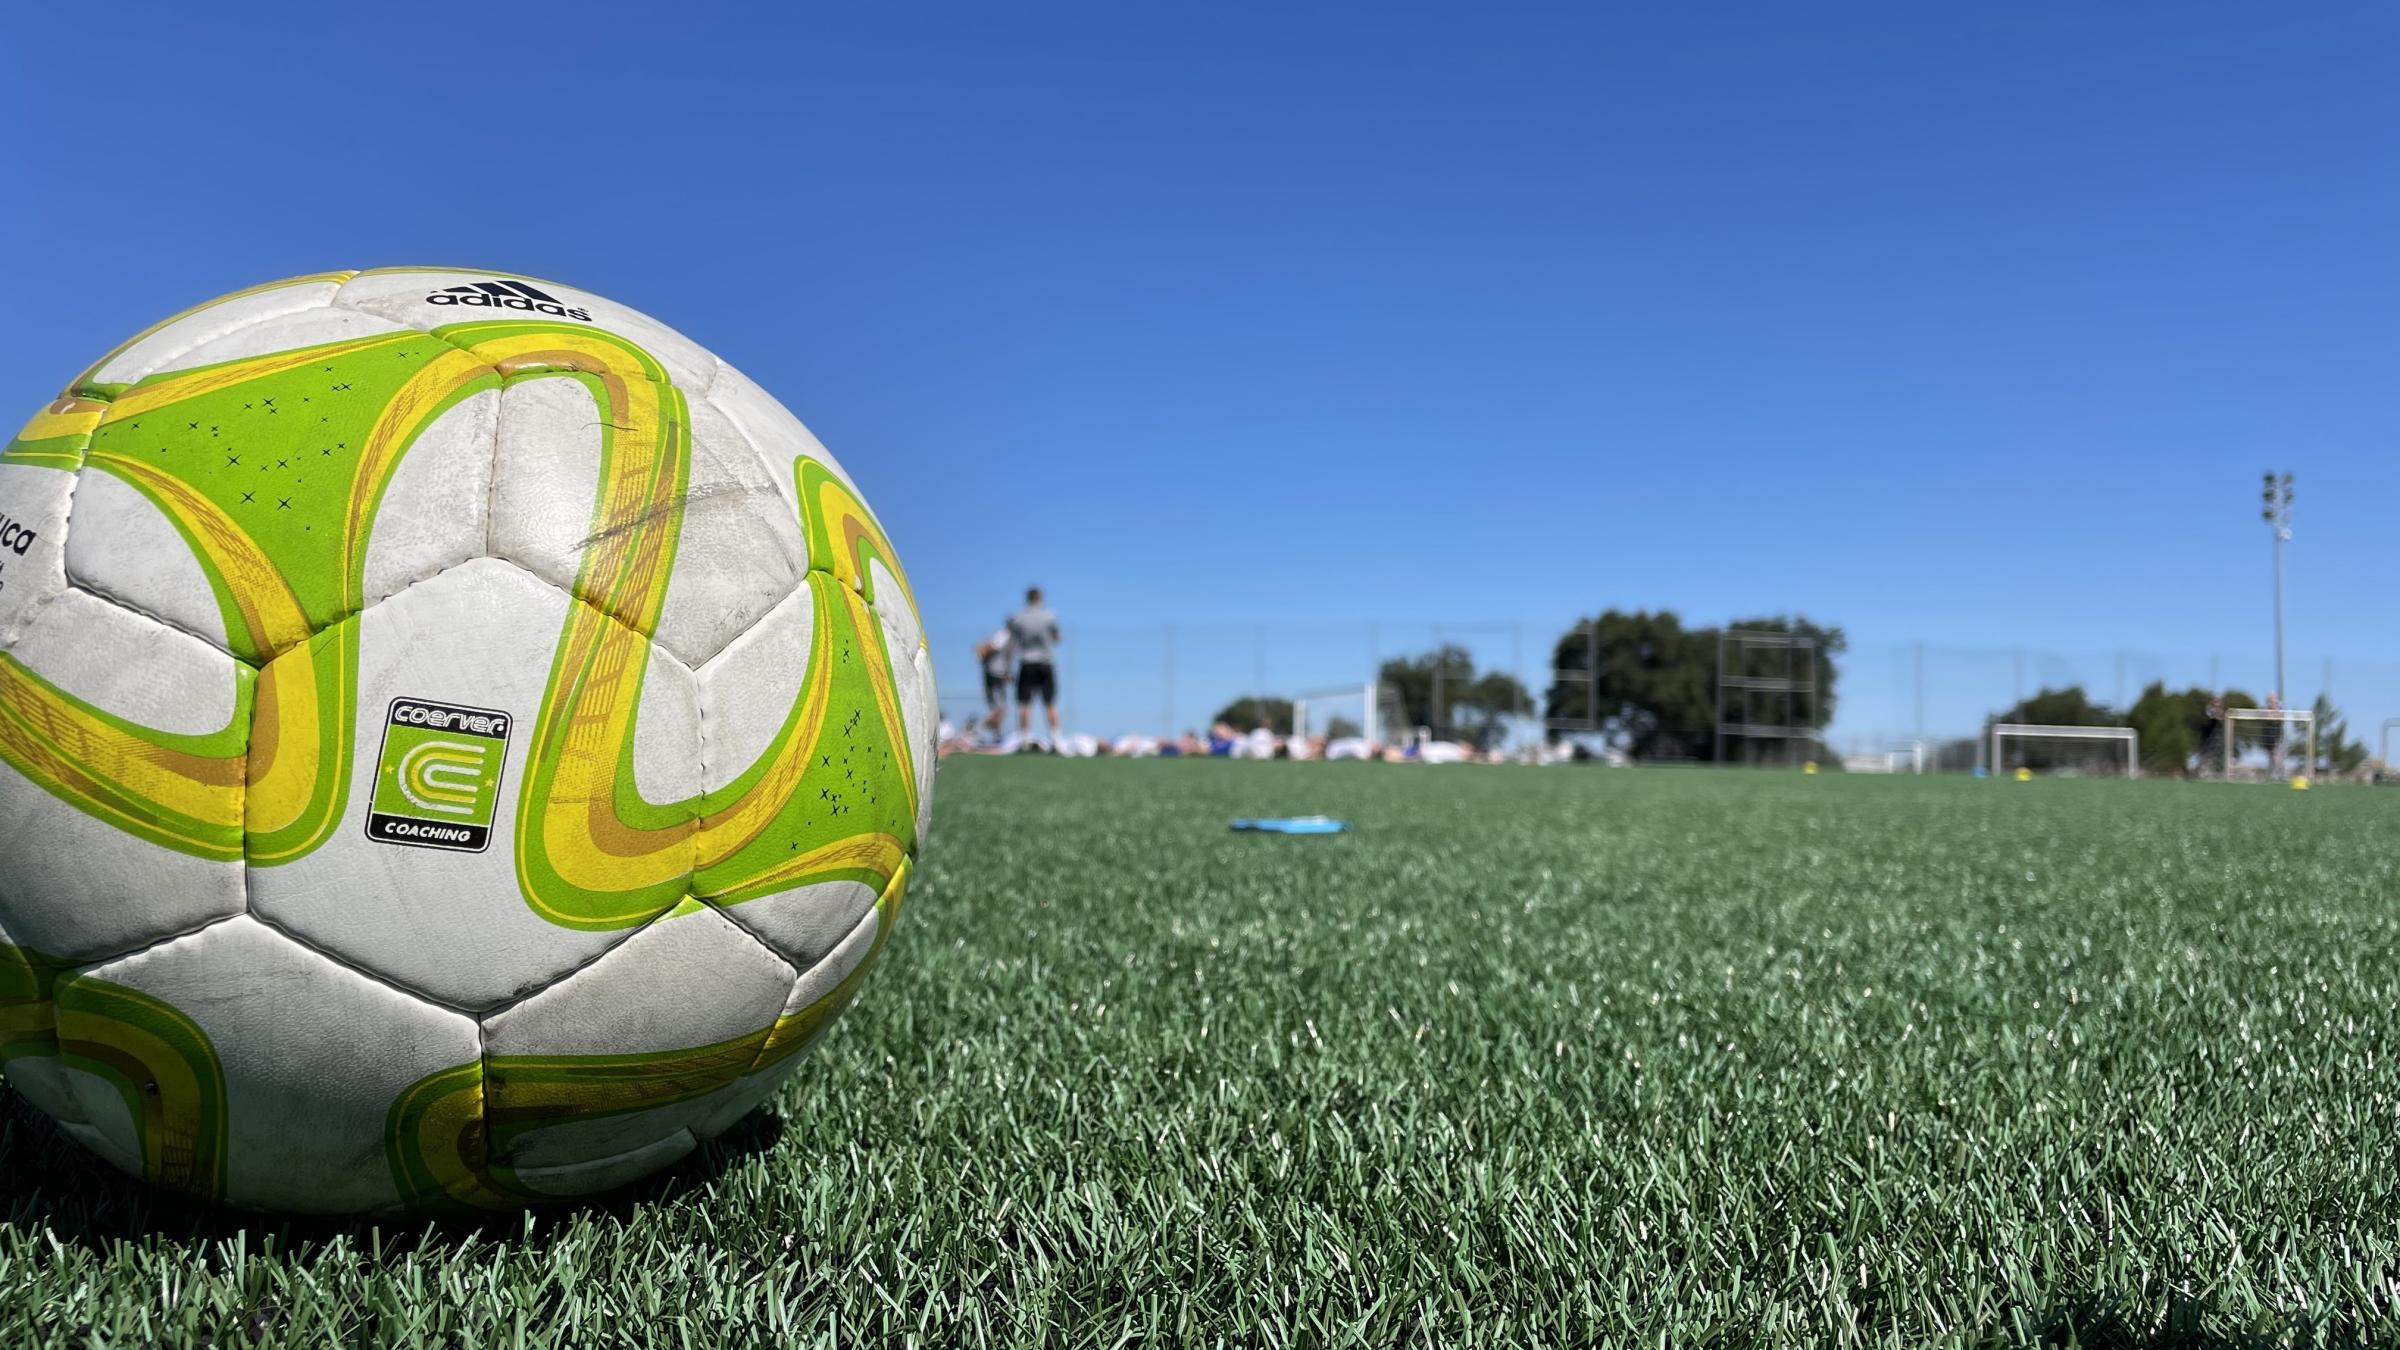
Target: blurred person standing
992 655
1033 634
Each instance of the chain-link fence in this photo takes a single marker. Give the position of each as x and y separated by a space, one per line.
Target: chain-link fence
1897 695
1885 696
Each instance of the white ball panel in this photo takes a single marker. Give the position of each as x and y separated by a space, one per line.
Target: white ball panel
922 709
311 327
123 546
666 733
741 551
723 1110
436 510
747 692
568 1180
71 885
809 925
35 499
547 477
40 1080
314 1055
131 665
913 676
103 1124
920 701
153 351
817 981
892 605
686 982
77 888
774 434
453 926
814 983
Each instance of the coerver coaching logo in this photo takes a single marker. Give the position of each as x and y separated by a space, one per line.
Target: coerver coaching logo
438 781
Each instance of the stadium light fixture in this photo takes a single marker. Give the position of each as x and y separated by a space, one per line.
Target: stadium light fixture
2275 508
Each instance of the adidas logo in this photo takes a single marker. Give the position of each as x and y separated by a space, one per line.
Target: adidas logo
507 295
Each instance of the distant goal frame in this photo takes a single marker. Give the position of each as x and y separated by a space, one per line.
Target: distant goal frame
1368 692
2040 731
2285 717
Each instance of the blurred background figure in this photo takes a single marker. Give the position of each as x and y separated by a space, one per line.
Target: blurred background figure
1032 634
992 655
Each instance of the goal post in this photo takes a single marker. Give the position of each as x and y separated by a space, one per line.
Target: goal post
2004 732
1346 709
2273 730
1357 720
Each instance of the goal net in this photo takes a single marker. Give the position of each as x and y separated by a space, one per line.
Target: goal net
2065 749
2269 743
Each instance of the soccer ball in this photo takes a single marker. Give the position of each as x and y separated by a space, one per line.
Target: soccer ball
460 741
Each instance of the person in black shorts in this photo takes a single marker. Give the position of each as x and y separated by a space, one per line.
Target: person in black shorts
1033 634
1037 679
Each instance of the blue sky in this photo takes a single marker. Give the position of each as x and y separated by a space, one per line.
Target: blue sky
1963 325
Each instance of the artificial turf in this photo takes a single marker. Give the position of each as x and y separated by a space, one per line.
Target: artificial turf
1535 1056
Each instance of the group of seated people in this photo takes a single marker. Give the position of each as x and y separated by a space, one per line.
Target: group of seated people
1221 742
1264 742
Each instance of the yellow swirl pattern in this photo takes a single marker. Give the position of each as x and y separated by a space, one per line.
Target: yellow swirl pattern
587 854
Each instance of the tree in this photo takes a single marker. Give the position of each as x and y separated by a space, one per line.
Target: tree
2172 725
2336 752
1473 706
1640 679
2183 731
1655 681
1251 710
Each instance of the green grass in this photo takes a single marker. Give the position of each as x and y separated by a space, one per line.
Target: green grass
1536 1056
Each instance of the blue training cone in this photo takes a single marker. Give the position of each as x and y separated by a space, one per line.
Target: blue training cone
1294 825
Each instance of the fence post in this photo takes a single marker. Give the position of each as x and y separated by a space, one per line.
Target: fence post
1920 673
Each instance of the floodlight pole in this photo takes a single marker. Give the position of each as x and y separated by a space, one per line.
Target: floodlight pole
2275 496
2275 508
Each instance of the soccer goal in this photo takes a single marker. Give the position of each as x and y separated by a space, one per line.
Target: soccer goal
2039 746
1903 757
1361 717
1336 711
2259 742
